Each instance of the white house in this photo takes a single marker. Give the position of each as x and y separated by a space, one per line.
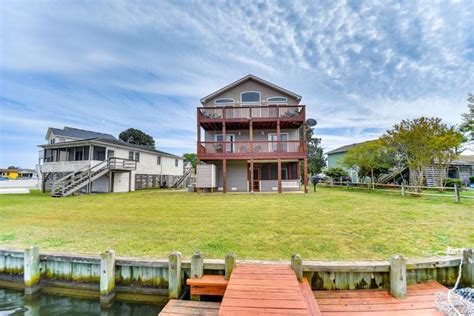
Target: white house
78 160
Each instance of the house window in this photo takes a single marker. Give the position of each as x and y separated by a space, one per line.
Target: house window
224 101
79 153
137 156
158 160
250 97
277 100
52 141
176 162
130 155
98 153
110 153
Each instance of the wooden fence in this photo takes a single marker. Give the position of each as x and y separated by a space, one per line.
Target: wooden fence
106 276
454 192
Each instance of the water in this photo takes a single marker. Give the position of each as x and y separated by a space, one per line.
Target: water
12 302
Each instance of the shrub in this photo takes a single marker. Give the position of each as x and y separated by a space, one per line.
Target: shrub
336 173
450 182
471 179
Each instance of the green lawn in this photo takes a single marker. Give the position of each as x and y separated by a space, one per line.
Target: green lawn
330 224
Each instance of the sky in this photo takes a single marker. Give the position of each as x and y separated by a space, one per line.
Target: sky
360 66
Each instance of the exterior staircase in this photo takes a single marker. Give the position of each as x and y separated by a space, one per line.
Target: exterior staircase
182 180
389 177
79 179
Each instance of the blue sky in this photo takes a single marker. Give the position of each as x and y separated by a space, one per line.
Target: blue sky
361 66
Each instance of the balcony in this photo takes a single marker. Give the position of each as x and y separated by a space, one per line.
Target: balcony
292 149
290 116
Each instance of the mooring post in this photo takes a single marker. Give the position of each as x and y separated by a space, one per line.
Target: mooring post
456 191
229 265
197 271
297 266
107 278
467 268
174 275
31 271
398 276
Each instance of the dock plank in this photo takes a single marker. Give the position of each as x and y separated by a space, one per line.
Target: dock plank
420 300
266 290
181 307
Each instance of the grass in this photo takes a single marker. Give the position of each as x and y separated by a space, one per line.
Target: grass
330 224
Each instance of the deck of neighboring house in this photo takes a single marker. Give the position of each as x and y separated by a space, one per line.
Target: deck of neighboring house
275 290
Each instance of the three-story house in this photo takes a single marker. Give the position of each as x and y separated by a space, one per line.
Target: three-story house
251 138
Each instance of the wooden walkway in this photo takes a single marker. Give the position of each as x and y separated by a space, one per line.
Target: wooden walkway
275 290
267 290
420 301
180 307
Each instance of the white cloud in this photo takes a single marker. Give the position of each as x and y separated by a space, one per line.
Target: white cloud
111 65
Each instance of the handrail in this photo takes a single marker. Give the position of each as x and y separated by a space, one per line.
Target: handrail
251 147
252 106
251 112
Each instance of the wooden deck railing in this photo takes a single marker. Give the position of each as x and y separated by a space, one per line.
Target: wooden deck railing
248 148
251 112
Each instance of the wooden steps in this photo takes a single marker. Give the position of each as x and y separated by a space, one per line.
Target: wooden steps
181 307
214 285
420 301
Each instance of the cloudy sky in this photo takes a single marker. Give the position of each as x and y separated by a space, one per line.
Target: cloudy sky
361 66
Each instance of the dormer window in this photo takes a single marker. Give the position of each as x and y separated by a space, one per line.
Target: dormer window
277 100
250 97
224 101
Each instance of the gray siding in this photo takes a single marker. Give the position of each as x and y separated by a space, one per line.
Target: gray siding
251 85
237 176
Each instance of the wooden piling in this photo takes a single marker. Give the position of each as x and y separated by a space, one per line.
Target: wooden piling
107 278
402 188
467 274
229 265
297 266
398 276
197 271
174 275
31 271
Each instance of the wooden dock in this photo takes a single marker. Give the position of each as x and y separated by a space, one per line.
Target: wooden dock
275 290
267 290
420 301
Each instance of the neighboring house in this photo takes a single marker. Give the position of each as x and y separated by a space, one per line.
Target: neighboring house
25 174
462 168
252 138
335 157
11 174
86 161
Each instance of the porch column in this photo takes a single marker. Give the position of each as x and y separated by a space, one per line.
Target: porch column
251 176
305 176
198 149
251 136
110 181
224 171
279 175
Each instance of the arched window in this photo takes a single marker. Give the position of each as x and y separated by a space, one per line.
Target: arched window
277 100
250 97
223 101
